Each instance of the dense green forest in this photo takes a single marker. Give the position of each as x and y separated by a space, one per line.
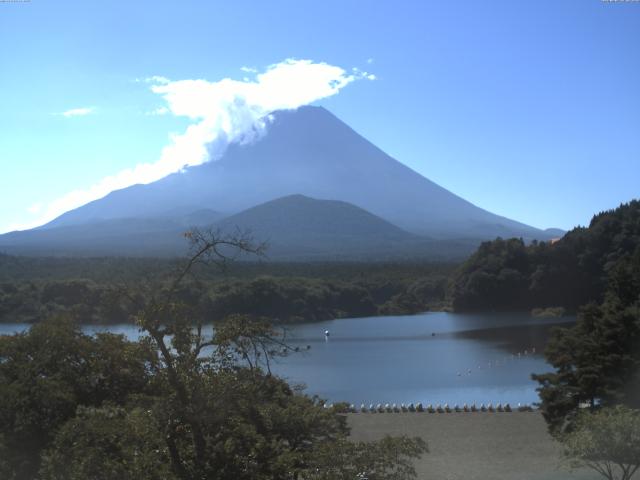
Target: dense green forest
570 272
597 361
107 290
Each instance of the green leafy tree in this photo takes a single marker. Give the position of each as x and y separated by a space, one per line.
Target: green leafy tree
47 373
222 413
390 458
607 441
107 443
183 403
597 362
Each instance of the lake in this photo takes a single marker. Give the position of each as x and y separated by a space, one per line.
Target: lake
433 357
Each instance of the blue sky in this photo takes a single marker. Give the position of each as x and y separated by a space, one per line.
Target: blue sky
530 109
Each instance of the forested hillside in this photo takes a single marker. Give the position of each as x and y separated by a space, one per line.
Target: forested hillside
570 272
106 290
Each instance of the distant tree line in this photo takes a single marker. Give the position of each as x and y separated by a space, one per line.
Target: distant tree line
570 272
348 291
131 269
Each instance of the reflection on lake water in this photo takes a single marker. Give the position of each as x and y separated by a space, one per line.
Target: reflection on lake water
430 358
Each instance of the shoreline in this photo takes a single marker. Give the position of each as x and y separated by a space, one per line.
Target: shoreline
561 318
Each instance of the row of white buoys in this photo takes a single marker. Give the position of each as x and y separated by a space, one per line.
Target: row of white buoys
439 408
525 353
299 349
500 362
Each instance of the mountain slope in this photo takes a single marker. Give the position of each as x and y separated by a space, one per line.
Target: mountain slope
294 227
311 152
151 236
300 219
299 226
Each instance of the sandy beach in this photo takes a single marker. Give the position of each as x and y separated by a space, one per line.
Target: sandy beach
474 446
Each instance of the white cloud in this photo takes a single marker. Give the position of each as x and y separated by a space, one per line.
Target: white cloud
222 111
249 69
153 79
78 112
369 61
35 208
158 111
227 110
363 74
141 173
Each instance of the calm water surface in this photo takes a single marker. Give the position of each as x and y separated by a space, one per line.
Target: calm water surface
429 358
